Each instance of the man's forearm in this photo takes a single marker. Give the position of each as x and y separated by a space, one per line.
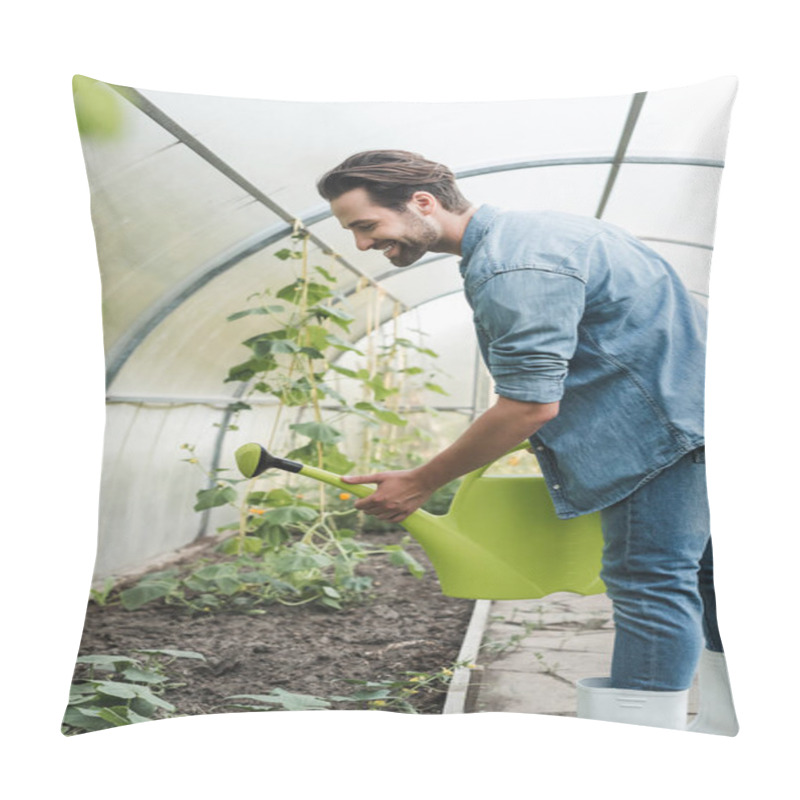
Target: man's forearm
495 432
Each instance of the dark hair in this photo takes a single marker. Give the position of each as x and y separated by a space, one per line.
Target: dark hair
391 177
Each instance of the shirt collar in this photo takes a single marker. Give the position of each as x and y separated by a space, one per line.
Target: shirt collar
475 231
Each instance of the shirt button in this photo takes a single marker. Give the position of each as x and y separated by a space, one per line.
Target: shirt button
540 448
556 485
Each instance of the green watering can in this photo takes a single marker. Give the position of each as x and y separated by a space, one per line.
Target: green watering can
500 540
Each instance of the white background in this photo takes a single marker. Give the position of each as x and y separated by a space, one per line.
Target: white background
53 384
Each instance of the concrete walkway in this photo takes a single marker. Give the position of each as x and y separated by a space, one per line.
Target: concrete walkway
532 653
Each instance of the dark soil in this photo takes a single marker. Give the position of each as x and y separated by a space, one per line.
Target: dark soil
406 624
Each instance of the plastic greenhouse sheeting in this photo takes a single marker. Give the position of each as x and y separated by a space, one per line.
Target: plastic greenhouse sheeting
193 195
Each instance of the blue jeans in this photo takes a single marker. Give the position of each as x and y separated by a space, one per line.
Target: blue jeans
659 573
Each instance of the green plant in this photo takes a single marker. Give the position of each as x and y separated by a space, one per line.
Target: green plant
114 690
292 362
316 565
403 693
548 668
285 548
497 647
100 596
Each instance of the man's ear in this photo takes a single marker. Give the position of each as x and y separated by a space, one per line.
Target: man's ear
425 202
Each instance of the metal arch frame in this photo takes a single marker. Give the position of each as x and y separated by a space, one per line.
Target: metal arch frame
128 343
184 137
132 338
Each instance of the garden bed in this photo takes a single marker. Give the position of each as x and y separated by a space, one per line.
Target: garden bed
405 625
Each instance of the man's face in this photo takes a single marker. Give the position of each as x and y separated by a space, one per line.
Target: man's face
403 237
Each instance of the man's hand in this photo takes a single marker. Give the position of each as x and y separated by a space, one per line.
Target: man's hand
399 494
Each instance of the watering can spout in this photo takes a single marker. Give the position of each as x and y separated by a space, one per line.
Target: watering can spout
253 459
500 540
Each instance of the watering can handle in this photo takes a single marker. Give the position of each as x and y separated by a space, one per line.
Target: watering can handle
361 490
475 474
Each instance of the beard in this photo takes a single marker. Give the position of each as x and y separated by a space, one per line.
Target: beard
420 235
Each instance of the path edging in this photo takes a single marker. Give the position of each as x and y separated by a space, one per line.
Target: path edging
456 700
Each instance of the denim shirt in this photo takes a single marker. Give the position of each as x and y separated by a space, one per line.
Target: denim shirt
575 310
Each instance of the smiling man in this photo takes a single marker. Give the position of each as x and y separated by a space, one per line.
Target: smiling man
597 351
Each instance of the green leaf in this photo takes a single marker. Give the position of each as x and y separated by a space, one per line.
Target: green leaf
336 461
317 292
299 559
343 371
247 369
317 431
86 719
335 315
290 515
252 545
288 700
408 343
293 292
330 392
135 675
195 584
279 335
371 694
231 526
275 497
340 344
229 585
259 310
130 691
108 663
295 394
380 391
145 592
263 348
315 336
213 571
278 346
140 711
116 689
249 544
383 414
433 387
218 496
273 535
332 459
325 274
285 254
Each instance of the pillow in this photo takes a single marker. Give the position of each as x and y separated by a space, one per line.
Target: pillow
239 312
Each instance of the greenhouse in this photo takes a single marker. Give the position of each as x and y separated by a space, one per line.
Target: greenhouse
238 309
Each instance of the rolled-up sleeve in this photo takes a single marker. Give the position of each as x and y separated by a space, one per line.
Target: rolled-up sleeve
527 324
